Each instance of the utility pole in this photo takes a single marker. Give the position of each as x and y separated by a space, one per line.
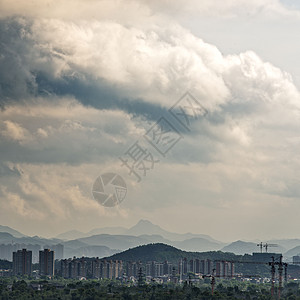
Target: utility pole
285 272
180 268
212 281
280 269
272 264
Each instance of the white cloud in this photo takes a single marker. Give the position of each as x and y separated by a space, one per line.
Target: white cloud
15 131
241 159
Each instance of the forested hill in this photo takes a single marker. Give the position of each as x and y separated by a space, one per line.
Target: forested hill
161 252
5 265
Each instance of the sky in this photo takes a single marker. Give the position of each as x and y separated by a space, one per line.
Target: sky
83 82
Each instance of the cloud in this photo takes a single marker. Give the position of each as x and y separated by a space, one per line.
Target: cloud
62 130
14 131
79 85
108 65
224 9
138 11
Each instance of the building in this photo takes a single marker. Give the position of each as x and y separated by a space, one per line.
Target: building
265 257
183 266
58 249
46 262
107 269
296 260
167 268
132 269
224 269
73 268
22 262
207 266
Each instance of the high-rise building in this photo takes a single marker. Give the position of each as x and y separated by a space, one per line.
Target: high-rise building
22 262
167 268
107 269
224 269
58 249
46 262
132 269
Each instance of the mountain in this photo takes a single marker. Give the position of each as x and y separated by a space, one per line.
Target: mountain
90 251
198 244
293 252
124 242
107 230
114 241
286 243
13 232
143 227
151 252
146 227
7 238
240 247
71 235
160 252
74 244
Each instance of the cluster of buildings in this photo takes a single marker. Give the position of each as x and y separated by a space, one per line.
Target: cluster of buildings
85 267
156 269
204 266
22 262
109 269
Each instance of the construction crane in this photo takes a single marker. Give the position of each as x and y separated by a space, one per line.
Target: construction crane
262 245
266 245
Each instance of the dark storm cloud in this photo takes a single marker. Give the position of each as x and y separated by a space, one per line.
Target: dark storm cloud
98 94
23 77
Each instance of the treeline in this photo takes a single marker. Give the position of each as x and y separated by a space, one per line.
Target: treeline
5 264
95 290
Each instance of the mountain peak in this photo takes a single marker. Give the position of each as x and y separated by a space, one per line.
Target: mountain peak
145 227
142 221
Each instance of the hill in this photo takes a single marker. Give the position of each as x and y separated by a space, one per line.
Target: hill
197 244
241 247
293 252
71 235
90 251
11 231
161 252
121 242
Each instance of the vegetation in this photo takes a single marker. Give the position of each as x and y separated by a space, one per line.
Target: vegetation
161 252
5 264
104 289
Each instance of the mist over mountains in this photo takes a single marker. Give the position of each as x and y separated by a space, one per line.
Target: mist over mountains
103 242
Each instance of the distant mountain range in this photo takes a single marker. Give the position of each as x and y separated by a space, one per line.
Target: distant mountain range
13 232
143 227
107 241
